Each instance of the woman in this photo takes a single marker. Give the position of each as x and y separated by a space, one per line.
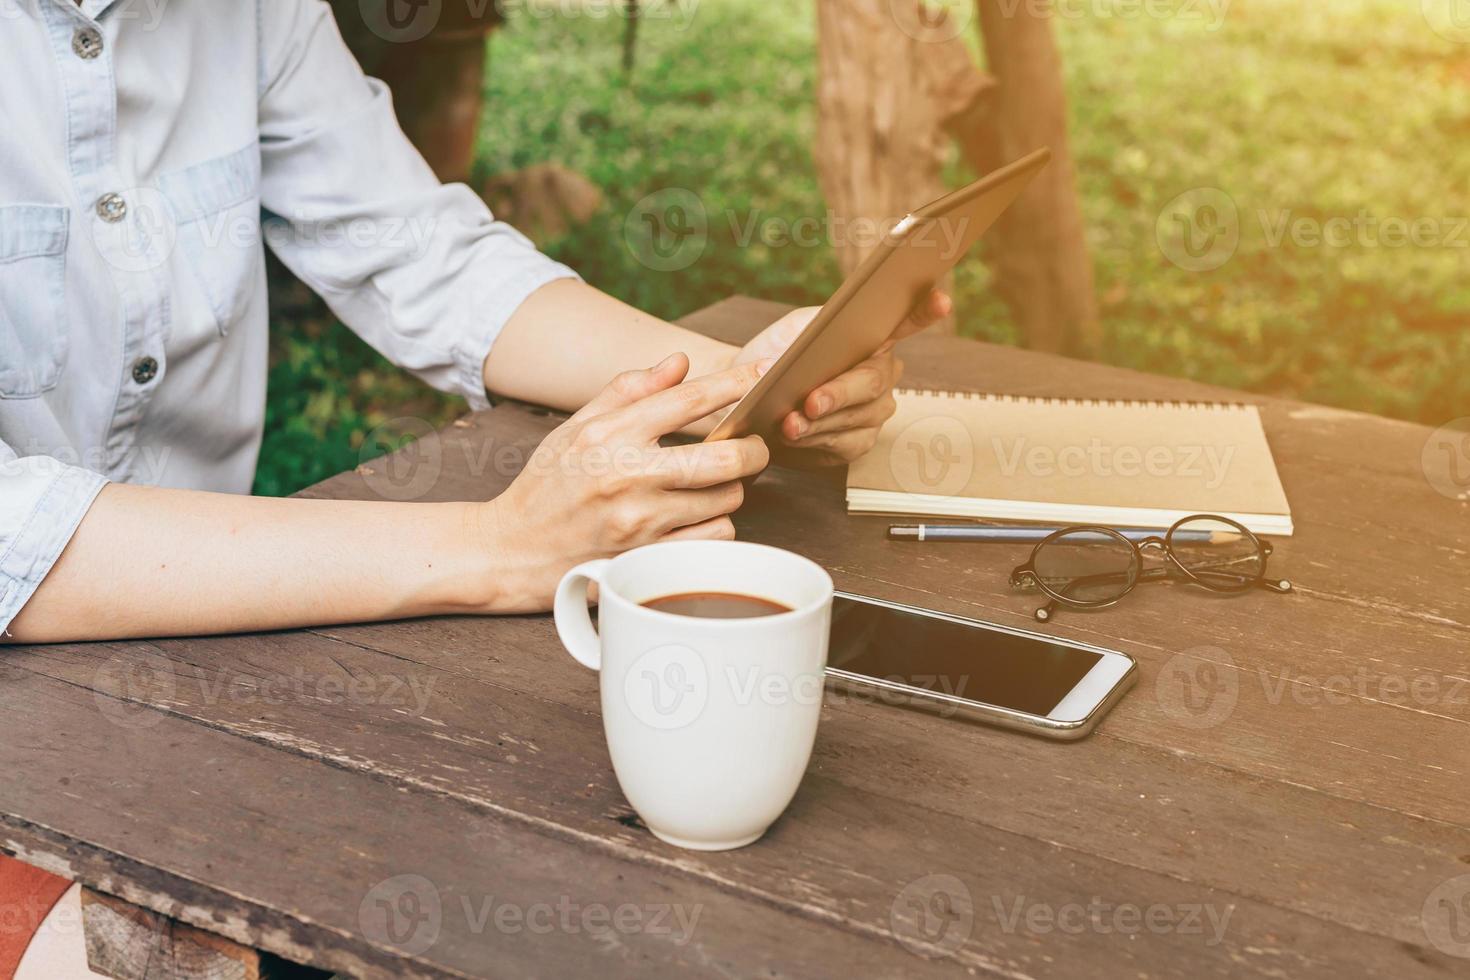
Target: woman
142 144
136 164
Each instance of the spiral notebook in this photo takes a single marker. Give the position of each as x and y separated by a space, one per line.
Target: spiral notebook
1070 461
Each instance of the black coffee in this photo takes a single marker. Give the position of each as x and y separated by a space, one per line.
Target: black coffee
716 605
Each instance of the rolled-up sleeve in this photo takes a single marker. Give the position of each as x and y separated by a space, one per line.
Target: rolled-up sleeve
421 270
42 500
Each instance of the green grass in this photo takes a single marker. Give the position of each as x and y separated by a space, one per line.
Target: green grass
1320 111
1291 107
736 130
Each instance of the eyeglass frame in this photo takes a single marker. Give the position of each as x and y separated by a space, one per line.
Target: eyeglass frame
1025 574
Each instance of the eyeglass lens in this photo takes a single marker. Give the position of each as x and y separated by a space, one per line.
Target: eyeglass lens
1217 554
1086 566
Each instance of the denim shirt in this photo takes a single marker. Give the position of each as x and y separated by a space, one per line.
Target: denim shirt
149 151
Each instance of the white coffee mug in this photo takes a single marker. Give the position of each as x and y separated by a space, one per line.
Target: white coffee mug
710 722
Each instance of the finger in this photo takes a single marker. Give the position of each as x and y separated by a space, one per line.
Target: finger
714 529
790 326
822 457
684 507
864 383
870 415
928 311
671 410
633 386
706 464
846 446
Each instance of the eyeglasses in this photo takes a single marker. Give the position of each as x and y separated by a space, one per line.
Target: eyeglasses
1090 567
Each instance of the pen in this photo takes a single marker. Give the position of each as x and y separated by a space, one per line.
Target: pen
1000 534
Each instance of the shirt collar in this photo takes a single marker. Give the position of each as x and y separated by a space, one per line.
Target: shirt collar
92 9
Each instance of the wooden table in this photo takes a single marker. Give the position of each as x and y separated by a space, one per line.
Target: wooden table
1286 793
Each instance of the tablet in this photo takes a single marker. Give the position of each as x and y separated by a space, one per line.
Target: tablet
873 301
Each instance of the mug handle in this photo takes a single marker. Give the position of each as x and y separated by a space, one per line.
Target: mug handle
573 620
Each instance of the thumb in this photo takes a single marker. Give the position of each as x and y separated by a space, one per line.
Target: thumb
633 386
790 326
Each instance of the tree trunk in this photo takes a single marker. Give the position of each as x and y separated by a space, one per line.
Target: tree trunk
437 93
1039 248
434 63
630 35
884 97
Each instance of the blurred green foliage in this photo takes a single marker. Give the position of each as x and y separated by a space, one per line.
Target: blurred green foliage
1294 109
332 402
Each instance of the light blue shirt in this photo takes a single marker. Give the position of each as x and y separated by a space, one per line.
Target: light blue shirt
139 144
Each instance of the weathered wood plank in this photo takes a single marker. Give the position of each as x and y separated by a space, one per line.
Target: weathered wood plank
318 859
130 943
489 742
528 762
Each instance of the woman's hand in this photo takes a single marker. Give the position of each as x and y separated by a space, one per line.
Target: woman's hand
601 484
839 421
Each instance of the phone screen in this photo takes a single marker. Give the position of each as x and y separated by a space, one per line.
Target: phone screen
967 661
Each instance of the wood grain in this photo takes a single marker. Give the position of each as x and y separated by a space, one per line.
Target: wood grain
126 942
1263 777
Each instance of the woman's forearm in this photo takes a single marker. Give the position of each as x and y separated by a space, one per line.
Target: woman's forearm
147 561
153 562
568 339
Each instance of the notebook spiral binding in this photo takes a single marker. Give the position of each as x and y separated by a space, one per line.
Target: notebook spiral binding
1078 402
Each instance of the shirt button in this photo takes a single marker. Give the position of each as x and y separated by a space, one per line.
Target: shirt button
144 370
112 208
87 42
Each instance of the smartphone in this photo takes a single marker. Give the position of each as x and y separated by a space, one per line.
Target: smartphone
897 654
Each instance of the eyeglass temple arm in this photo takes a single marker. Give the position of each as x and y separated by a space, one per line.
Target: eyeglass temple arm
1149 574
1278 585
1044 613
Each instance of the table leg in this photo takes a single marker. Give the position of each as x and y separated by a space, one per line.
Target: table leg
127 942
